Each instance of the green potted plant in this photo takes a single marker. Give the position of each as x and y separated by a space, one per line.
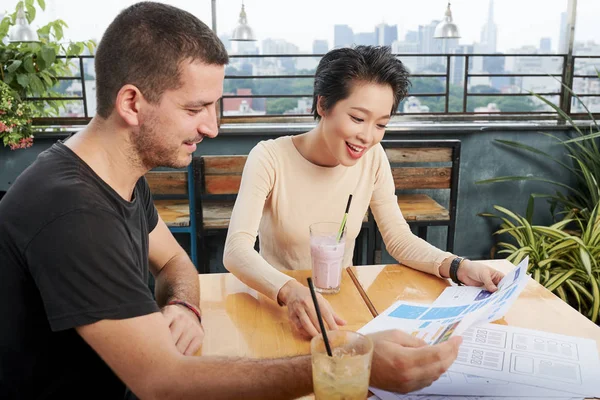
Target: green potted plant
565 261
32 68
15 119
565 256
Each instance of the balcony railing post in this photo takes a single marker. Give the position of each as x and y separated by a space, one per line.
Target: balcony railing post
447 97
569 64
465 83
213 12
83 91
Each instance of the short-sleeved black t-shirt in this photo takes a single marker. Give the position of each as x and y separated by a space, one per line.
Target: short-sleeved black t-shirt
72 252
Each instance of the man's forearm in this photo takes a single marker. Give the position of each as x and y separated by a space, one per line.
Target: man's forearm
226 378
178 280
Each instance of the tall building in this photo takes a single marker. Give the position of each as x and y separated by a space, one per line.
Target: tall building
365 38
246 64
587 66
280 46
563 35
385 34
320 46
307 64
412 37
457 66
489 32
545 45
247 48
407 48
343 36
431 45
496 65
531 64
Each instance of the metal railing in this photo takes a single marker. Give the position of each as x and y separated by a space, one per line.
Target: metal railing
451 70
446 76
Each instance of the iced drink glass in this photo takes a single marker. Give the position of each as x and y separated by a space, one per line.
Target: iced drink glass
327 255
345 376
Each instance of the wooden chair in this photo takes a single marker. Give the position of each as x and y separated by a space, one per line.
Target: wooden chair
423 165
218 181
173 192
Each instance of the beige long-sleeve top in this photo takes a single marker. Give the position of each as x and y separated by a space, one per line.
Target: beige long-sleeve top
282 194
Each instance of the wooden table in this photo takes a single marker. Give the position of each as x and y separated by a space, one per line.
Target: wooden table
240 322
536 307
243 323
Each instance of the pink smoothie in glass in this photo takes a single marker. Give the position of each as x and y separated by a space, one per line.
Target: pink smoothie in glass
327 257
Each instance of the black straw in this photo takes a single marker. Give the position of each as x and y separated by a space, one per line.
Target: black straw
348 205
314 298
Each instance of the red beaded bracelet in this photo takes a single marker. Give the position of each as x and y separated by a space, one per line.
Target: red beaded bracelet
188 306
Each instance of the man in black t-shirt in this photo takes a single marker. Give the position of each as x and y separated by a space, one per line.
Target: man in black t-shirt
79 234
78 229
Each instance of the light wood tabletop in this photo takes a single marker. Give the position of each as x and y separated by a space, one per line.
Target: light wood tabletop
240 322
536 307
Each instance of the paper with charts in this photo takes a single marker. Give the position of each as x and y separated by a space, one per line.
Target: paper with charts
459 309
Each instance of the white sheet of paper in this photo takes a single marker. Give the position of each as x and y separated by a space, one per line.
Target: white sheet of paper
531 357
458 384
383 395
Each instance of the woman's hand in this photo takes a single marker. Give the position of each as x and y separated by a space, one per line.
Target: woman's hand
301 309
479 274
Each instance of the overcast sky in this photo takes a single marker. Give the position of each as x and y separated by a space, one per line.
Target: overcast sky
519 22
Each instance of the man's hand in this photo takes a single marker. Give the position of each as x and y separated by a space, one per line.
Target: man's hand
301 309
186 330
403 363
478 274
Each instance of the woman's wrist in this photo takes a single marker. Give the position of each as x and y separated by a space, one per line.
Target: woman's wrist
284 292
455 268
445 267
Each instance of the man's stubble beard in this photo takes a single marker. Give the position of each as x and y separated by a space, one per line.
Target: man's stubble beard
151 151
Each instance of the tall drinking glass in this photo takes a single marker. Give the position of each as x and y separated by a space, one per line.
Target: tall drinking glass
345 376
327 254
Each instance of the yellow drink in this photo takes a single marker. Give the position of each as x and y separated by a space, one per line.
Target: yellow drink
345 376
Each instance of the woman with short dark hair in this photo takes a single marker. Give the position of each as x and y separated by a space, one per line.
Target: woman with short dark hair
292 182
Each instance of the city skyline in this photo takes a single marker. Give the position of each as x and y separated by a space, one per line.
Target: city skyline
291 26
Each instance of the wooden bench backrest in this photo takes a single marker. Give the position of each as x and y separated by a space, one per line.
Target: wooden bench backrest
401 152
222 174
168 183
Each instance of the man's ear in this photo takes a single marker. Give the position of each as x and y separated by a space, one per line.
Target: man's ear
127 104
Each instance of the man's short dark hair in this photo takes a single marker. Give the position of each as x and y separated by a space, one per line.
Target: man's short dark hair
340 69
145 46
